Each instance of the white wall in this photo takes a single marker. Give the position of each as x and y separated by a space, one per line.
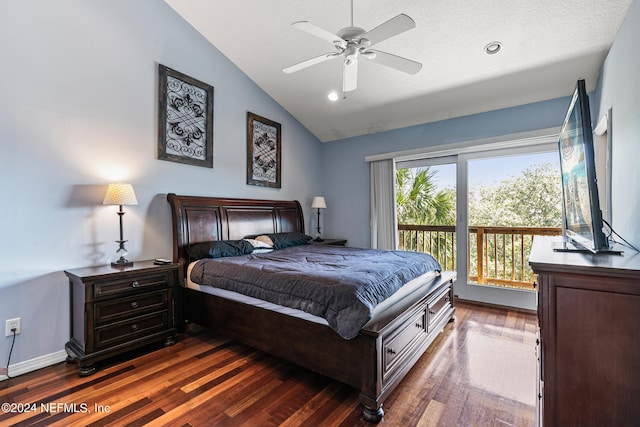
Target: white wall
78 109
619 90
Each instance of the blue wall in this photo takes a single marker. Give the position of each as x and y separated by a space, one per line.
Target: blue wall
619 90
78 110
346 181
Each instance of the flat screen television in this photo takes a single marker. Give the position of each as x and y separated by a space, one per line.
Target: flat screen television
583 223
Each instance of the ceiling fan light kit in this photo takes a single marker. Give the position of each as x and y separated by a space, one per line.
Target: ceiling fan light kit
353 42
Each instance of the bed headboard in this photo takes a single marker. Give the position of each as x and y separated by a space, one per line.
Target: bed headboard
202 219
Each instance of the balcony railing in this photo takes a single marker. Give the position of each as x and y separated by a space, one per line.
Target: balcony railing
495 255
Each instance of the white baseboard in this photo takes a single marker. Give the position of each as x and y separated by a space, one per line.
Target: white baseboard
35 364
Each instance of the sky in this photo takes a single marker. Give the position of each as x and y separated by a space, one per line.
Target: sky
493 170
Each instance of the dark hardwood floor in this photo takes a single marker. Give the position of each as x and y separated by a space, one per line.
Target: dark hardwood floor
479 372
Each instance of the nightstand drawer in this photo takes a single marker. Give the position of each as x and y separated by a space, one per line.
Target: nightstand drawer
123 308
129 284
128 330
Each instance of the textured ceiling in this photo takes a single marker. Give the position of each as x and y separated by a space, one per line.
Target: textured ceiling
547 46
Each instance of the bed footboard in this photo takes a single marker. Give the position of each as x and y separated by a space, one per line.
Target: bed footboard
374 362
396 345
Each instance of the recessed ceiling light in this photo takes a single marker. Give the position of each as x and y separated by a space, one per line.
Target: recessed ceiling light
493 48
333 96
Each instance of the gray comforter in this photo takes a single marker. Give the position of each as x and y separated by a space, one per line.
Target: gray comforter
341 284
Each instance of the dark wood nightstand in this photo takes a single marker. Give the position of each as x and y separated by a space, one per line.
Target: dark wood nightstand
114 310
334 242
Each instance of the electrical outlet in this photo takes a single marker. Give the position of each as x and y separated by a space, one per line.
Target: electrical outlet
11 324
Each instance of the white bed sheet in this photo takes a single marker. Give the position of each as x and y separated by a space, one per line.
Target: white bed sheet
407 289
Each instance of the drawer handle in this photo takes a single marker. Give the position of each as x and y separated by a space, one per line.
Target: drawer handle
432 311
135 284
419 325
134 327
391 351
134 304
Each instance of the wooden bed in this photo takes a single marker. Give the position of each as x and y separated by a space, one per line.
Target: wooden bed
374 362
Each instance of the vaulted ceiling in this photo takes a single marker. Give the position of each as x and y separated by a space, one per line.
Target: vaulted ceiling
546 46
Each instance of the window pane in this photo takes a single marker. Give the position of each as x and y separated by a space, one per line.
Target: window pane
511 200
426 208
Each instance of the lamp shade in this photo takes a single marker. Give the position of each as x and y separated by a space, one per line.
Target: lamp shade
319 203
120 194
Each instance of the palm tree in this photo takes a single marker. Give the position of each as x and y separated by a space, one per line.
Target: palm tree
419 201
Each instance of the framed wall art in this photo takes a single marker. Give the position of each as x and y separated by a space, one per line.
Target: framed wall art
185 119
263 151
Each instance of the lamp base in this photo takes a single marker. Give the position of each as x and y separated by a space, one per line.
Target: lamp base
122 262
122 252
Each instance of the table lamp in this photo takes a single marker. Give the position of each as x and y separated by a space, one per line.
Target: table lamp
120 194
318 203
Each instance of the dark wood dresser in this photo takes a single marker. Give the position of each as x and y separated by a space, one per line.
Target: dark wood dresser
114 310
589 350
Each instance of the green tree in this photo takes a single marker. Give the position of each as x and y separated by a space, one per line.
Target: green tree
531 199
419 201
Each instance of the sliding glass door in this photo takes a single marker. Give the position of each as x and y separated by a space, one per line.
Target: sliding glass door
511 199
477 212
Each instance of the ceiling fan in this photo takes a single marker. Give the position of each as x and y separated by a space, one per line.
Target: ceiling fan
353 42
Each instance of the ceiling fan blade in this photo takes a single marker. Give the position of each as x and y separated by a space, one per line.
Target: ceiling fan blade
309 62
390 28
350 75
394 61
314 30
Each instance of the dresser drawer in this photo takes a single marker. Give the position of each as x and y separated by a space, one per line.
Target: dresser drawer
129 284
439 307
124 308
129 330
398 343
